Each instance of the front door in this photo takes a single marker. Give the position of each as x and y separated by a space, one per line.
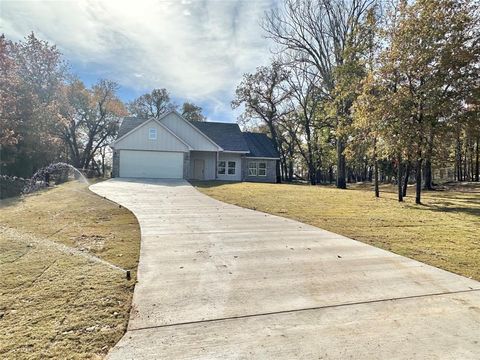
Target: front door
199 169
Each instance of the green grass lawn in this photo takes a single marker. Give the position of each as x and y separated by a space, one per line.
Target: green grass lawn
54 304
444 231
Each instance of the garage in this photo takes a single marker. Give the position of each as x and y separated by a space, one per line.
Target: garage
151 164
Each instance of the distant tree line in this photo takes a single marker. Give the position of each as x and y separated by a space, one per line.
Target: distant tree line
364 90
47 114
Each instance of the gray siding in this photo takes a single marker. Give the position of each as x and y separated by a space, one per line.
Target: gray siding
238 167
186 165
271 171
138 139
188 133
116 163
210 161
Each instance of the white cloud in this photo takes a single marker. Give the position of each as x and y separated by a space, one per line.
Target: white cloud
196 49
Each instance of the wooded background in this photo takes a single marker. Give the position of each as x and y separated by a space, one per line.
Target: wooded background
357 90
366 90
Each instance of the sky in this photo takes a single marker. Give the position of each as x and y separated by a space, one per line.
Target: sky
197 50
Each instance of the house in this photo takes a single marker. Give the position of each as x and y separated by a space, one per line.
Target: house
175 148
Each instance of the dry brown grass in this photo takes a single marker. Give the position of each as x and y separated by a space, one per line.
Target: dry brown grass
54 304
444 231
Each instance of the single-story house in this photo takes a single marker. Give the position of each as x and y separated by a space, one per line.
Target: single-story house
174 148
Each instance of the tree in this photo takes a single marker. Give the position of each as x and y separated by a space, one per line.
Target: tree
32 74
428 69
192 112
318 31
306 99
90 120
264 99
153 104
9 83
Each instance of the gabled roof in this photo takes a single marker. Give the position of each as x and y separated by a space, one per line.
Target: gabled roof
260 145
226 135
128 124
128 129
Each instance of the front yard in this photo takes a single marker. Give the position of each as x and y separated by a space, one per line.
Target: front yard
55 301
444 232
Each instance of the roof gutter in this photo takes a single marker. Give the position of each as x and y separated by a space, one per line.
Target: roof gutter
262 157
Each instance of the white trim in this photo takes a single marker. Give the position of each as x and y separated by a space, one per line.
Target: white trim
257 168
152 134
226 167
217 160
158 123
175 151
235 152
140 164
175 135
131 131
193 126
234 167
261 158
252 168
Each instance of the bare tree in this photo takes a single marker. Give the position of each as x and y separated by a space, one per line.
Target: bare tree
264 99
306 98
153 104
318 31
90 119
192 112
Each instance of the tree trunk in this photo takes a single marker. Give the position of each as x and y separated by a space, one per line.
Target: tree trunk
283 165
471 147
458 153
341 175
311 174
428 175
375 168
290 169
477 160
291 153
273 134
103 162
405 180
428 163
399 179
277 171
418 187
365 170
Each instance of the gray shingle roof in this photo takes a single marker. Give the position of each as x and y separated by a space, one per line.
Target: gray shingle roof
226 135
128 124
260 145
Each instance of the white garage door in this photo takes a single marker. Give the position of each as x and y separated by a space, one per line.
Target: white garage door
151 164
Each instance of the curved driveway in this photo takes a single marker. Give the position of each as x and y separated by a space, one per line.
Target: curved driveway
220 281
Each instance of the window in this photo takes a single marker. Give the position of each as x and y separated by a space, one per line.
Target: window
231 167
226 167
257 168
221 167
262 169
152 134
252 169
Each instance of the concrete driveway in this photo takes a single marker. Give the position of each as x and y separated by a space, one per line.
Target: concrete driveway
219 281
